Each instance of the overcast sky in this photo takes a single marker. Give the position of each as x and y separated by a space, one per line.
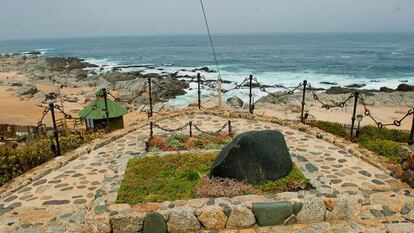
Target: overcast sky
62 18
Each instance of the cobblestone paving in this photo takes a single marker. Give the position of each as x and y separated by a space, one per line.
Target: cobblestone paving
75 185
77 182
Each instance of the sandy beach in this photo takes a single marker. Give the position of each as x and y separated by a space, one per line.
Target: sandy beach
17 110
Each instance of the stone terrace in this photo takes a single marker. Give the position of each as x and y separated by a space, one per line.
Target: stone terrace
60 200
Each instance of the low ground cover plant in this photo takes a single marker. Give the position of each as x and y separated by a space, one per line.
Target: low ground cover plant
385 142
177 142
15 159
186 176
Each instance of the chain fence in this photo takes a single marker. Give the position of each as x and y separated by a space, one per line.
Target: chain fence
189 125
397 122
249 83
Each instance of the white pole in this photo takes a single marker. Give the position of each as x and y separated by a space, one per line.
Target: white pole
220 100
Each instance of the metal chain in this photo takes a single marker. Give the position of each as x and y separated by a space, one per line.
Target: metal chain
290 92
40 122
210 132
379 124
170 130
67 116
115 98
329 106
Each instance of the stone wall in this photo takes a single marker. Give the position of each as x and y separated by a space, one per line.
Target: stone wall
404 170
222 213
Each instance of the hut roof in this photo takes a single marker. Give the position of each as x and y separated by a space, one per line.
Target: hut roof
96 109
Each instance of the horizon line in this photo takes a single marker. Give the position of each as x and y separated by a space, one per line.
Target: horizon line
201 34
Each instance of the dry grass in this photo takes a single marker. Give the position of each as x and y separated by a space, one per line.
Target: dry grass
221 187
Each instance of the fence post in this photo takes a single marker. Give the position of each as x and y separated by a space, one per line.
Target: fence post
229 124
302 115
147 146
105 95
55 130
411 139
191 128
151 130
250 94
199 91
354 115
150 96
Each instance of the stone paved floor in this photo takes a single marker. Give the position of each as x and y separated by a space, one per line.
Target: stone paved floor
345 171
75 185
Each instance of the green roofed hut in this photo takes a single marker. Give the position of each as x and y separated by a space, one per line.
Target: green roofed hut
95 116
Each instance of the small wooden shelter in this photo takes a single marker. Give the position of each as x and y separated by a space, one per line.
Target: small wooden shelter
95 114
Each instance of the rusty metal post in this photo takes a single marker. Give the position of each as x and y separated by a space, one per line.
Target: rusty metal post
55 130
105 95
411 139
302 115
150 96
151 130
147 146
250 94
354 115
199 90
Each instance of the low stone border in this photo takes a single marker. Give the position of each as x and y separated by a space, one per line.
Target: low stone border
221 213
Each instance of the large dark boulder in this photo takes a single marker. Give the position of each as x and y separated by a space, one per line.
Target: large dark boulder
255 157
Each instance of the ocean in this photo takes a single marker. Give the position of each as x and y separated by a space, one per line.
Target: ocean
372 59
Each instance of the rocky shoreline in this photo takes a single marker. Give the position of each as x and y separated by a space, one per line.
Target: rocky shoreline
73 72
131 87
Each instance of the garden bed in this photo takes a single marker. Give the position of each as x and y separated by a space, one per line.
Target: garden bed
186 176
15 159
180 142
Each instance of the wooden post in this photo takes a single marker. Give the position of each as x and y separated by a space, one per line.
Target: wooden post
230 131
191 128
354 116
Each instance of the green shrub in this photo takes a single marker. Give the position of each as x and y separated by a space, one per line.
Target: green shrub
175 144
385 148
293 182
178 137
374 133
331 127
385 142
17 159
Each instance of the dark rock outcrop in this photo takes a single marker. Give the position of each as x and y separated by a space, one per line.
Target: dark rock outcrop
339 90
356 86
255 157
405 88
386 89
